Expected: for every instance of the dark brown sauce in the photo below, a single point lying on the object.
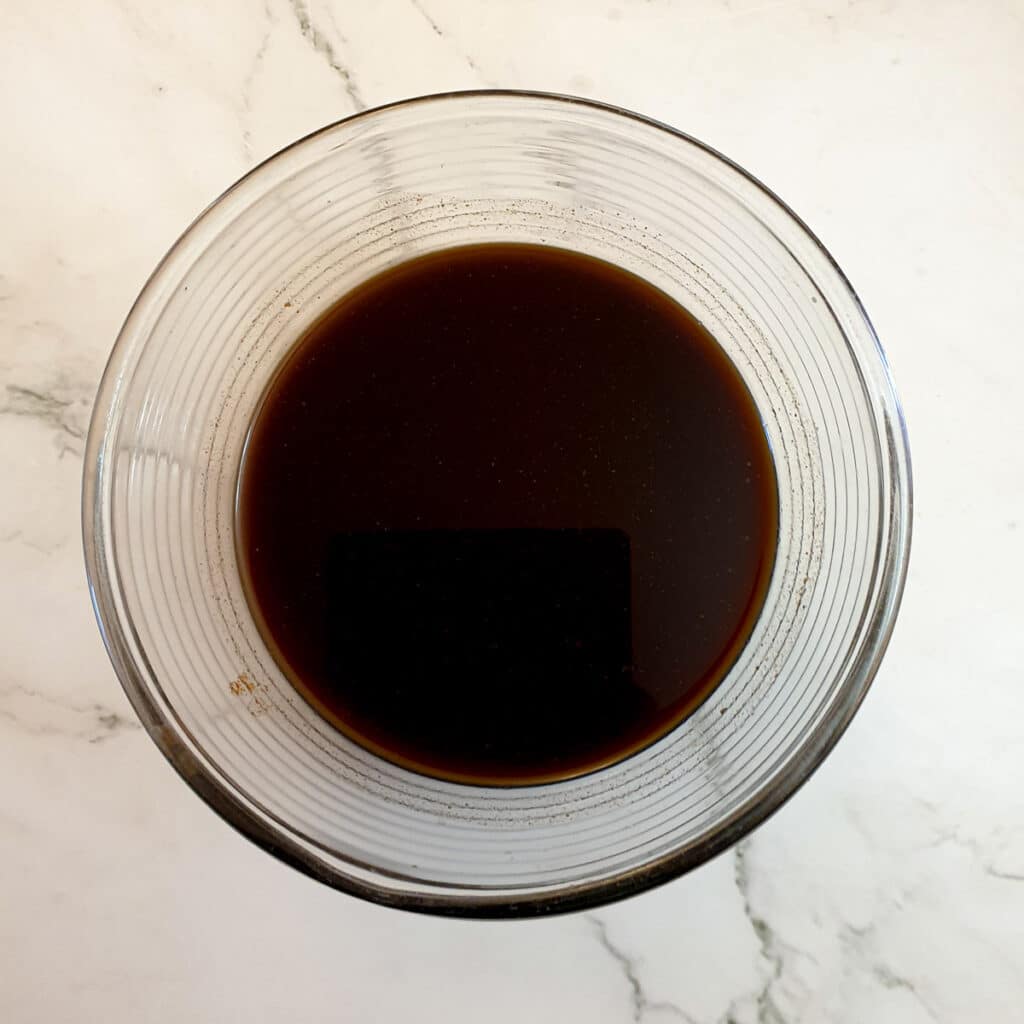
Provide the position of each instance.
(507, 514)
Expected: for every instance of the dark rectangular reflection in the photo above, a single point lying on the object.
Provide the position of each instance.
(504, 648)
(494, 603)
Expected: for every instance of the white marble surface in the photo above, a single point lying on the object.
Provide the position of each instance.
(891, 889)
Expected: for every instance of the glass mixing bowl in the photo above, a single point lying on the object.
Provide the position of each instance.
(219, 315)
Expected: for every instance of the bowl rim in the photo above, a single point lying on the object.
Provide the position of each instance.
(892, 575)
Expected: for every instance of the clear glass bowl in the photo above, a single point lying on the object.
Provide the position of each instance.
(219, 315)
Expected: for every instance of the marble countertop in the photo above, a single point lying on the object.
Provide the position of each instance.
(891, 888)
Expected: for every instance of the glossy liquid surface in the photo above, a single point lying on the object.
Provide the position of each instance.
(507, 514)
